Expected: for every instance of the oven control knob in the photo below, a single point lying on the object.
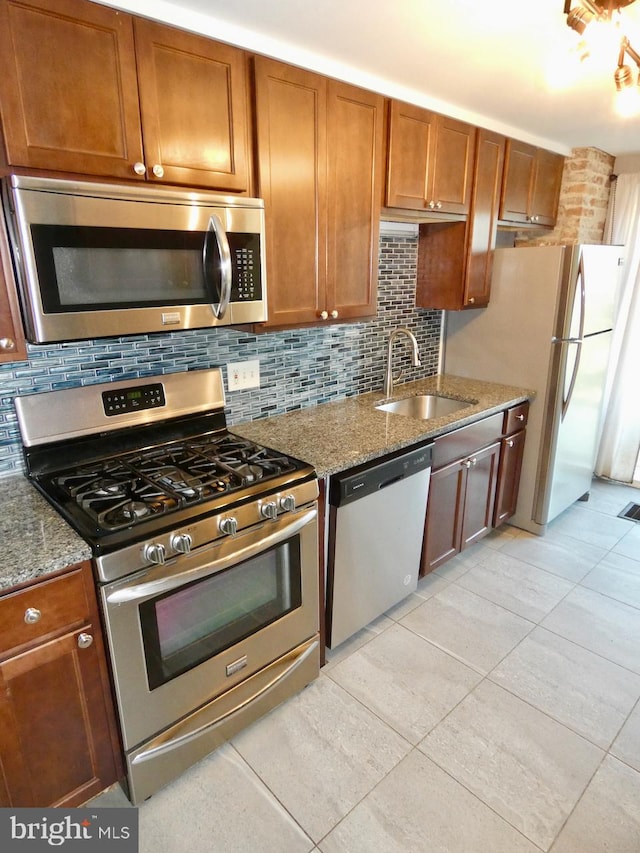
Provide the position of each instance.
(181, 543)
(228, 525)
(268, 509)
(288, 503)
(154, 553)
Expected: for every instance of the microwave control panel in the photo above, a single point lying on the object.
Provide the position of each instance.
(245, 262)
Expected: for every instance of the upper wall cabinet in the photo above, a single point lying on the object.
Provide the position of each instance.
(91, 90)
(320, 167)
(12, 345)
(531, 185)
(430, 164)
(455, 258)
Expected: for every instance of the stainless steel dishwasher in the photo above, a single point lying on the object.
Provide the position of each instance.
(376, 525)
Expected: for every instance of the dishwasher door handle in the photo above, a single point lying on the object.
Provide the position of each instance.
(390, 482)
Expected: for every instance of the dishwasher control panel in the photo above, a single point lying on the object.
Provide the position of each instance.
(376, 475)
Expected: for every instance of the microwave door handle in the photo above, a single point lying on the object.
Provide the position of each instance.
(215, 229)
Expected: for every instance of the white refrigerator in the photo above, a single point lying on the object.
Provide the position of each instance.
(548, 328)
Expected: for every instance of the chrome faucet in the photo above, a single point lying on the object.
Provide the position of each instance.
(389, 378)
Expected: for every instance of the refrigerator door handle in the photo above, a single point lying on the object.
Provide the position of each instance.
(581, 284)
(566, 401)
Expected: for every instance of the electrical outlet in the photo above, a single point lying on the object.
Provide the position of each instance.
(243, 374)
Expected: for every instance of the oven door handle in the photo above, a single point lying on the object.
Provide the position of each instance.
(165, 578)
(191, 728)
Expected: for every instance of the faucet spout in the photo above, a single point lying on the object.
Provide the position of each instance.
(389, 378)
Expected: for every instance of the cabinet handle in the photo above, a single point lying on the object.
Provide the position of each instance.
(84, 641)
(7, 344)
(510, 442)
(158, 171)
(324, 315)
(139, 168)
(32, 615)
(334, 314)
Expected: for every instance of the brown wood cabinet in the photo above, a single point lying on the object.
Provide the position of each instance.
(463, 489)
(455, 258)
(12, 345)
(58, 742)
(91, 90)
(511, 452)
(531, 184)
(319, 172)
(430, 160)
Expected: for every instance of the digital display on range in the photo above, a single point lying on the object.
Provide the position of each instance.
(133, 399)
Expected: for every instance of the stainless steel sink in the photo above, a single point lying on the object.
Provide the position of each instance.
(424, 406)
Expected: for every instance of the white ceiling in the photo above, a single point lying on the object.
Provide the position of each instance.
(490, 62)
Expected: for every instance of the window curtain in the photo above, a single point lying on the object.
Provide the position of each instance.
(620, 440)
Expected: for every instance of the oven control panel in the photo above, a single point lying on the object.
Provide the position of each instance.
(133, 399)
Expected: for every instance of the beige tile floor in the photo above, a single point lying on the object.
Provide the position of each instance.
(495, 711)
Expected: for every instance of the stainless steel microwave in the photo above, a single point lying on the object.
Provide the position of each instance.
(101, 260)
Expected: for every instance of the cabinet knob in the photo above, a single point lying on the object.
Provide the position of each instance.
(519, 417)
(324, 315)
(438, 205)
(334, 314)
(158, 171)
(432, 204)
(509, 442)
(474, 461)
(7, 344)
(32, 615)
(471, 300)
(84, 641)
(467, 463)
(139, 168)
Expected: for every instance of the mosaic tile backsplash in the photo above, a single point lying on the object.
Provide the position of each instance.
(298, 368)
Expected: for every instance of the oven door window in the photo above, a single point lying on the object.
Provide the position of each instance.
(196, 622)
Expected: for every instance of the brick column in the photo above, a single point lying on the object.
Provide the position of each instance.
(584, 197)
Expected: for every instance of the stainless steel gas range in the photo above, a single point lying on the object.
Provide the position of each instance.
(205, 551)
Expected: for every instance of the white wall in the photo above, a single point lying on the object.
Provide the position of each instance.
(627, 163)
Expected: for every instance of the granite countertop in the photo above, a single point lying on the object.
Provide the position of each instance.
(338, 435)
(331, 437)
(35, 539)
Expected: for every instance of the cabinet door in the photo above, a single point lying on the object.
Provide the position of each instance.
(55, 748)
(479, 500)
(452, 169)
(291, 133)
(69, 96)
(355, 157)
(519, 170)
(444, 516)
(194, 107)
(12, 345)
(546, 187)
(483, 218)
(511, 453)
(411, 145)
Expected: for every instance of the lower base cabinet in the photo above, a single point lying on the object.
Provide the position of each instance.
(58, 738)
(474, 484)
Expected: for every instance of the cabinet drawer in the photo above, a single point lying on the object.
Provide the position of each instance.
(61, 603)
(515, 418)
(468, 439)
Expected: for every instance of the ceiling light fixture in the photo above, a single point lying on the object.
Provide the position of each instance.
(605, 15)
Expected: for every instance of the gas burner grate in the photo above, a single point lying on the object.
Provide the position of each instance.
(631, 512)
